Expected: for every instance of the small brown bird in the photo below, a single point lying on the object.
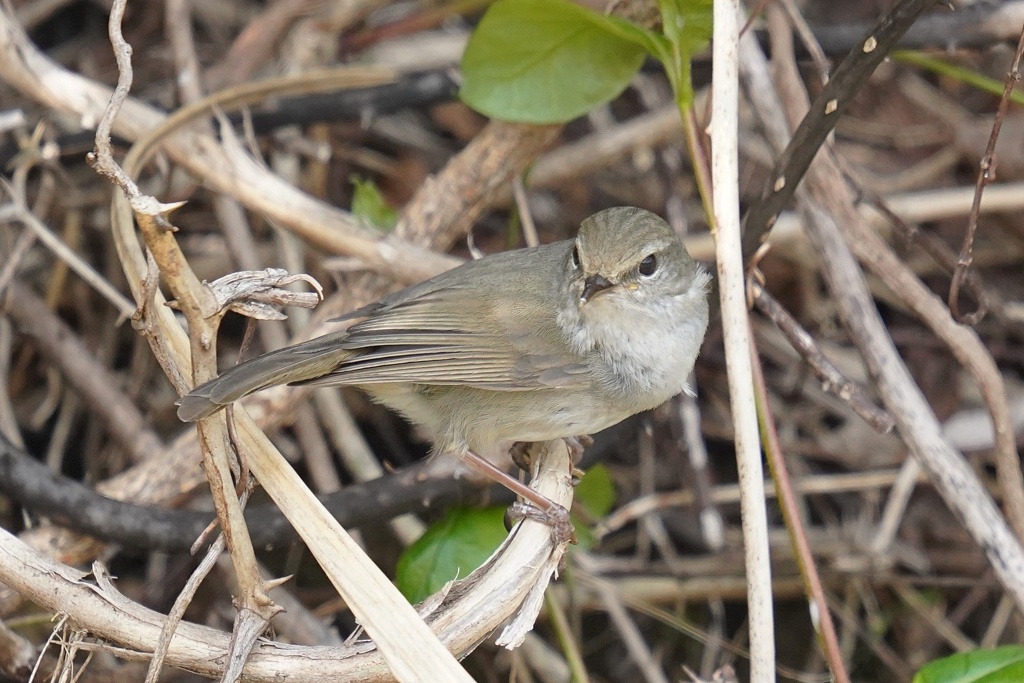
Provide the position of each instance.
(528, 345)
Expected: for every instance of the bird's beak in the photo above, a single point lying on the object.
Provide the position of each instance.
(592, 286)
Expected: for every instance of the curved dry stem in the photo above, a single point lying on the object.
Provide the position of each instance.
(255, 609)
(470, 610)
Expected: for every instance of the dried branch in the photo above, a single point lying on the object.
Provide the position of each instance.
(832, 379)
(255, 608)
(986, 174)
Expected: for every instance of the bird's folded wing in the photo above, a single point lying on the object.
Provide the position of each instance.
(426, 340)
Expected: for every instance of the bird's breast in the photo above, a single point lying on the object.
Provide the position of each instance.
(645, 363)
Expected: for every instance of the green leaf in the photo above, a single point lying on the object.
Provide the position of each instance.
(595, 492)
(368, 203)
(548, 61)
(687, 26)
(653, 42)
(1001, 665)
(451, 548)
(687, 23)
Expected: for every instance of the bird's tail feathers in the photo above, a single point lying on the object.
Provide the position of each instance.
(292, 364)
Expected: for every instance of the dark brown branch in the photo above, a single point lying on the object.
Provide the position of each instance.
(832, 380)
(822, 117)
(75, 506)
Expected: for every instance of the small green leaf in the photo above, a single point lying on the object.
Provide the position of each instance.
(451, 548)
(595, 492)
(368, 203)
(548, 61)
(687, 26)
(653, 42)
(1001, 665)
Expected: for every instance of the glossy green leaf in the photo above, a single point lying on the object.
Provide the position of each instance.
(687, 26)
(450, 549)
(548, 61)
(1001, 665)
(368, 203)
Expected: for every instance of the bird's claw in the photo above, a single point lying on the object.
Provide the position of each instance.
(556, 517)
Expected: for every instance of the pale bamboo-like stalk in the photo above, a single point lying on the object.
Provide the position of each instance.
(736, 328)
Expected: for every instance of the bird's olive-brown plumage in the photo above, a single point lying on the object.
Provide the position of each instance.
(527, 345)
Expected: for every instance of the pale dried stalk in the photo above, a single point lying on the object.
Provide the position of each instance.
(736, 326)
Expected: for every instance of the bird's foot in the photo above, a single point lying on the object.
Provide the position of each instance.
(556, 517)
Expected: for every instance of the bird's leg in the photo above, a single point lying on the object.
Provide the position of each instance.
(544, 509)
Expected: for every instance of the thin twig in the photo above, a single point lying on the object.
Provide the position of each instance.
(181, 603)
(986, 174)
(794, 525)
(525, 215)
(19, 212)
(832, 379)
(102, 159)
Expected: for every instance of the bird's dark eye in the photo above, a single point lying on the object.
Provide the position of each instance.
(575, 257)
(649, 265)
